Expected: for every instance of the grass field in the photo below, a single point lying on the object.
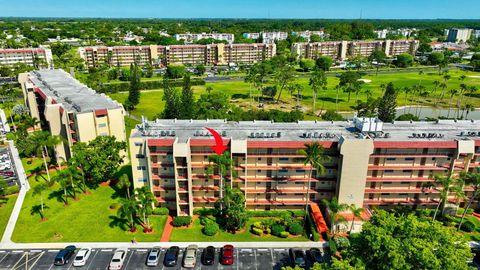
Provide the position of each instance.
(84, 220)
(6, 207)
(151, 102)
(194, 233)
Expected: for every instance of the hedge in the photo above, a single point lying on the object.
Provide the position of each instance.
(257, 231)
(12, 190)
(468, 226)
(295, 229)
(283, 234)
(205, 219)
(180, 221)
(161, 211)
(460, 211)
(210, 229)
(145, 85)
(276, 213)
(203, 211)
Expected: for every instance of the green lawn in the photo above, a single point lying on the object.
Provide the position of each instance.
(475, 235)
(85, 220)
(6, 207)
(194, 233)
(151, 102)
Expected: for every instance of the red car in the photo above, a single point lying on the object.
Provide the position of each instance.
(227, 255)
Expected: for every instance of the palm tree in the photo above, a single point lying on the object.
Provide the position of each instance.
(443, 184)
(222, 164)
(38, 190)
(356, 213)
(146, 200)
(314, 156)
(124, 183)
(334, 208)
(318, 80)
(473, 179)
(452, 93)
(129, 210)
(337, 88)
(436, 84)
(406, 90)
(64, 184)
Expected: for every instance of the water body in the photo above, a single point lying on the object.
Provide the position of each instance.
(429, 112)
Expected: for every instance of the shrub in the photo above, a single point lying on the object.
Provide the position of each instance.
(277, 229)
(12, 190)
(258, 225)
(210, 229)
(283, 234)
(341, 242)
(268, 231)
(205, 220)
(461, 210)
(114, 206)
(295, 229)
(333, 246)
(468, 226)
(204, 211)
(180, 221)
(257, 231)
(276, 213)
(161, 211)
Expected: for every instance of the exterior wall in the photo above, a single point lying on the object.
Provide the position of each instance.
(353, 172)
(41, 57)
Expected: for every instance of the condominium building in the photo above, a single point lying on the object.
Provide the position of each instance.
(211, 54)
(341, 50)
(67, 108)
(370, 163)
(307, 34)
(267, 37)
(459, 35)
(191, 38)
(37, 57)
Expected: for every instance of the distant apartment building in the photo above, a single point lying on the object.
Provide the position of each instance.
(457, 35)
(371, 164)
(191, 38)
(341, 50)
(406, 32)
(212, 54)
(307, 34)
(37, 57)
(67, 108)
(267, 37)
(476, 34)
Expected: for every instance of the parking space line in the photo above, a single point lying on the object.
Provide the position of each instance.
(106, 250)
(129, 257)
(246, 250)
(19, 260)
(91, 259)
(273, 257)
(255, 256)
(142, 250)
(3, 258)
(17, 251)
(53, 250)
(279, 249)
(35, 251)
(38, 258)
(237, 259)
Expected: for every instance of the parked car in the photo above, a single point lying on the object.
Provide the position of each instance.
(64, 255)
(118, 259)
(227, 255)
(315, 255)
(298, 257)
(153, 256)
(171, 256)
(190, 256)
(82, 257)
(208, 255)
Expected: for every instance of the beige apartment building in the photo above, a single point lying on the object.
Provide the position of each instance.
(371, 164)
(341, 50)
(213, 54)
(36, 57)
(67, 108)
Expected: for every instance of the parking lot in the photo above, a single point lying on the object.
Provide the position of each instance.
(245, 258)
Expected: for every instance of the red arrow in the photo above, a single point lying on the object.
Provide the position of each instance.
(219, 148)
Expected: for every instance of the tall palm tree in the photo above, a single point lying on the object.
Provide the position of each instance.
(318, 80)
(124, 183)
(146, 200)
(436, 84)
(128, 210)
(452, 93)
(472, 179)
(64, 183)
(314, 155)
(407, 90)
(223, 165)
(443, 184)
(334, 208)
(38, 190)
(356, 213)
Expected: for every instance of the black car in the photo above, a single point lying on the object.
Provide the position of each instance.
(64, 255)
(208, 255)
(171, 256)
(298, 257)
(315, 255)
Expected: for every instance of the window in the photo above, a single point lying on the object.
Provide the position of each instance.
(259, 158)
(283, 171)
(140, 156)
(387, 183)
(403, 194)
(283, 159)
(259, 170)
(407, 170)
(138, 144)
(389, 171)
(391, 158)
(300, 170)
(404, 183)
(385, 194)
(141, 168)
(433, 158)
(102, 125)
(409, 158)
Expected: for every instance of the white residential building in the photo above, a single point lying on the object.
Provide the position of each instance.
(191, 38)
(459, 35)
(307, 34)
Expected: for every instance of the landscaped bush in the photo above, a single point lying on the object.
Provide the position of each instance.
(12, 190)
(276, 213)
(283, 234)
(203, 211)
(295, 229)
(115, 206)
(333, 246)
(210, 229)
(277, 229)
(341, 242)
(258, 225)
(206, 219)
(257, 231)
(461, 210)
(180, 221)
(468, 226)
(161, 211)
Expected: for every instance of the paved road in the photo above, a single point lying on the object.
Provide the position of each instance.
(245, 259)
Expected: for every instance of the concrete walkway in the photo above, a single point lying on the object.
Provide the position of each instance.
(17, 246)
(167, 231)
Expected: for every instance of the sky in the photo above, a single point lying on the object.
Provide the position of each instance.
(344, 9)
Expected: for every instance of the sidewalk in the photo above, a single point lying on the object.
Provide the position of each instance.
(167, 230)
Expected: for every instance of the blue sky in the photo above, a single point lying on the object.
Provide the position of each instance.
(381, 9)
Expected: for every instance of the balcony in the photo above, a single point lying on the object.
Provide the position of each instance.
(286, 154)
(408, 167)
(401, 190)
(164, 176)
(394, 201)
(282, 191)
(278, 202)
(385, 155)
(204, 199)
(399, 179)
(205, 188)
(283, 179)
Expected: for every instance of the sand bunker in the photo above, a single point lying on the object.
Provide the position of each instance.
(365, 80)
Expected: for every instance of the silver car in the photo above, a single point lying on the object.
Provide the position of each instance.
(153, 256)
(190, 256)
